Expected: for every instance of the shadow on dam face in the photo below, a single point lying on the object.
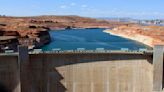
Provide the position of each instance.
(58, 60)
(3, 88)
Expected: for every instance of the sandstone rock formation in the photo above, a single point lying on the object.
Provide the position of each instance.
(27, 35)
(149, 35)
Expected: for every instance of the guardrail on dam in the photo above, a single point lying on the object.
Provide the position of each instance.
(89, 71)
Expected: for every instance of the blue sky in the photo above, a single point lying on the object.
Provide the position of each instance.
(142, 9)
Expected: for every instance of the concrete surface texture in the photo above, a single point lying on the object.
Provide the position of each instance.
(9, 73)
(103, 72)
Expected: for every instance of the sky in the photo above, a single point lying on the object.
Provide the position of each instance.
(137, 9)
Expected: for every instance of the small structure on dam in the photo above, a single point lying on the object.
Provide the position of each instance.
(8, 42)
(83, 71)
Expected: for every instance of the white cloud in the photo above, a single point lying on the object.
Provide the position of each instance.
(73, 4)
(67, 6)
(84, 6)
(63, 6)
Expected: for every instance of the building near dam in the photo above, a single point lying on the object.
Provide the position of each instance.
(83, 71)
(8, 42)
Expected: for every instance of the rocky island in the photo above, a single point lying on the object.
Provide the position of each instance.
(33, 31)
(148, 35)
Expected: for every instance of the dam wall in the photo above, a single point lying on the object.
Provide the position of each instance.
(9, 72)
(78, 72)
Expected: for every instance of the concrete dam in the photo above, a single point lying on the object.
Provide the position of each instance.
(107, 71)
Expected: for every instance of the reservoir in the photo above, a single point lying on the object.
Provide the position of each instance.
(90, 39)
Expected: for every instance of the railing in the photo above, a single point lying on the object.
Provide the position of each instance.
(91, 51)
(82, 50)
(97, 50)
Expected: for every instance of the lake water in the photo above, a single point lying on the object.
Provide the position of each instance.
(90, 39)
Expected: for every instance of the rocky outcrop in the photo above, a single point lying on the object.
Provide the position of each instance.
(149, 35)
(32, 35)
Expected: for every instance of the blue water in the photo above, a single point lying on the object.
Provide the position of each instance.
(90, 39)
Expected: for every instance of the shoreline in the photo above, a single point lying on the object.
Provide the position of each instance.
(59, 29)
(137, 37)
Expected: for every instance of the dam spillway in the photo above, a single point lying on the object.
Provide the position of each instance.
(115, 71)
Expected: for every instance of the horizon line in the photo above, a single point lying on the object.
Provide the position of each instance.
(3, 15)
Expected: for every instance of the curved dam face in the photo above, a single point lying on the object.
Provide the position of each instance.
(78, 72)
